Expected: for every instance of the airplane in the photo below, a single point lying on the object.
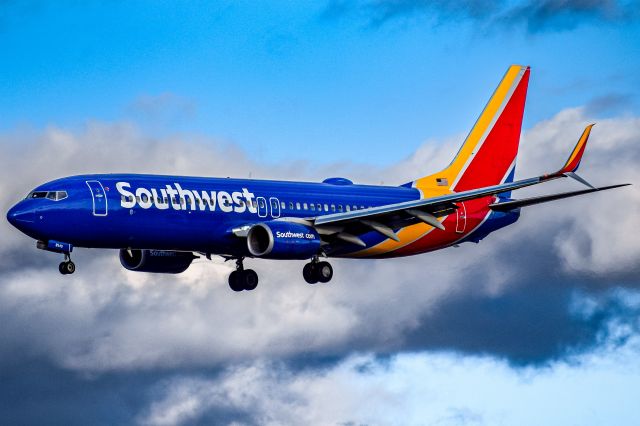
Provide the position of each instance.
(160, 224)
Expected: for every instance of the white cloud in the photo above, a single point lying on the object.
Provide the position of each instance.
(413, 389)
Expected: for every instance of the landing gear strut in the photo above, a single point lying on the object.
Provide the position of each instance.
(316, 271)
(67, 267)
(243, 279)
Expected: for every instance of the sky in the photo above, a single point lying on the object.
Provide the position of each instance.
(537, 324)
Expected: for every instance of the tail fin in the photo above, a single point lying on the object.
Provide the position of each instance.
(488, 154)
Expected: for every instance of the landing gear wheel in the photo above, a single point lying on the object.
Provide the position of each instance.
(235, 281)
(324, 272)
(249, 279)
(309, 273)
(243, 279)
(67, 267)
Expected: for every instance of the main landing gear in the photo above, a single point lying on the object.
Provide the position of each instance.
(67, 267)
(243, 279)
(316, 271)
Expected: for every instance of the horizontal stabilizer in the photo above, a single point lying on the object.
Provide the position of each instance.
(510, 205)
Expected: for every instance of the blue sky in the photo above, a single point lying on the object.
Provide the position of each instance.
(286, 80)
(538, 324)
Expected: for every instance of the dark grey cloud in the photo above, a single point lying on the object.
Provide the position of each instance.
(533, 16)
(534, 320)
(34, 391)
(609, 104)
(558, 15)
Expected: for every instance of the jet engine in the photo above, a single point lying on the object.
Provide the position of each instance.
(161, 261)
(283, 240)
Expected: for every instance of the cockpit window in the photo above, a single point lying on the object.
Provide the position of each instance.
(51, 195)
(38, 194)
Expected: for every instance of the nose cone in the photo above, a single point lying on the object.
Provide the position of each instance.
(18, 216)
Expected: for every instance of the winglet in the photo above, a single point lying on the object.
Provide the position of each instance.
(573, 162)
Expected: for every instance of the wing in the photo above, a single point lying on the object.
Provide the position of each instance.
(384, 219)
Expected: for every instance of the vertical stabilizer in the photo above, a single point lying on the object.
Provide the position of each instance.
(488, 154)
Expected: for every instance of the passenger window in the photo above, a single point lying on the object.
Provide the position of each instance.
(333, 207)
(283, 205)
(340, 208)
(144, 198)
(297, 206)
(348, 208)
(355, 207)
(313, 207)
(319, 207)
(304, 206)
(326, 207)
(290, 205)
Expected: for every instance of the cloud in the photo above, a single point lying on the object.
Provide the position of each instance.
(609, 103)
(408, 389)
(93, 322)
(167, 107)
(532, 16)
(557, 15)
(543, 291)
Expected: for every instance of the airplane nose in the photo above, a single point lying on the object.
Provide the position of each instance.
(17, 216)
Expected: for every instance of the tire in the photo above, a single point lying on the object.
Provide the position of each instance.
(68, 267)
(309, 273)
(62, 268)
(324, 272)
(250, 279)
(235, 281)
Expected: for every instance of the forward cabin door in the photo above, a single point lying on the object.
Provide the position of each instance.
(461, 218)
(99, 198)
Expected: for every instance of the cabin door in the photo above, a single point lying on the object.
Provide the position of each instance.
(461, 218)
(99, 198)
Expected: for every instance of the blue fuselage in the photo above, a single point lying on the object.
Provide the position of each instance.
(183, 213)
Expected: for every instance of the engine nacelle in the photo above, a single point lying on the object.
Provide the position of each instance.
(283, 240)
(161, 261)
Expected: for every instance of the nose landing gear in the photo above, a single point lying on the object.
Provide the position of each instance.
(243, 279)
(67, 267)
(316, 271)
